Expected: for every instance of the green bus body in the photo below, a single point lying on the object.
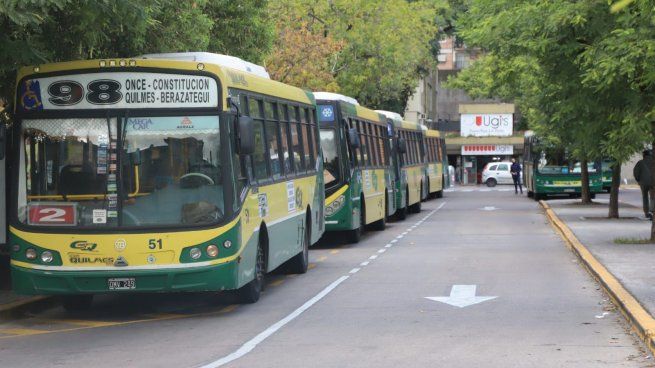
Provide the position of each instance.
(555, 180)
(359, 181)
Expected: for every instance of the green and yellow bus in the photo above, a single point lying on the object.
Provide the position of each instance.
(409, 161)
(170, 172)
(551, 171)
(357, 165)
(434, 148)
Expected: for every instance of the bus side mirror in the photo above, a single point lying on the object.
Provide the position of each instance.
(353, 138)
(246, 135)
(3, 140)
(402, 145)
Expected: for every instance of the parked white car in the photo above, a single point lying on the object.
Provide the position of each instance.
(497, 173)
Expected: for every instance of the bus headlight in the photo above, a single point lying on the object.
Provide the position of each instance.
(46, 256)
(335, 206)
(30, 254)
(212, 251)
(195, 253)
(227, 244)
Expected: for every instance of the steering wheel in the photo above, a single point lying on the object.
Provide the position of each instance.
(194, 180)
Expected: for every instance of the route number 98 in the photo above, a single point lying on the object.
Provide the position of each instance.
(99, 92)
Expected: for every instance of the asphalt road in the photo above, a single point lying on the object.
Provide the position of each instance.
(365, 305)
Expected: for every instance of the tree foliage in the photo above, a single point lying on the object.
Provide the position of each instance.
(39, 31)
(384, 45)
(570, 67)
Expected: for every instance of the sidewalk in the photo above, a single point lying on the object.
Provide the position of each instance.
(630, 264)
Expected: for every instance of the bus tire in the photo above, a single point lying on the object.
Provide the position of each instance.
(491, 182)
(416, 207)
(401, 213)
(381, 224)
(538, 196)
(250, 292)
(530, 194)
(592, 195)
(76, 303)
(299, 263)
(355, 235)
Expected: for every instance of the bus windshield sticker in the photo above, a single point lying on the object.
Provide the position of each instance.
(100, 216)
(291, 196)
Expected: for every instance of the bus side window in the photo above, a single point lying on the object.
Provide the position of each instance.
(259, 156)
(273, 139)
(309, 143)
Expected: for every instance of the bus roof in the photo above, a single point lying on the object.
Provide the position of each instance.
(390, 114)
(335, 97)
(229, 76)
(211, 58)
(351, 106)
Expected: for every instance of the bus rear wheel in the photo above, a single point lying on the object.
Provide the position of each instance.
(381, 224)
(76, 303)
(300, 262)
(250, 292)
(355, 235)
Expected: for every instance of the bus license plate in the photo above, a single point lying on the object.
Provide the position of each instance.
(125, 283)
(569, 190)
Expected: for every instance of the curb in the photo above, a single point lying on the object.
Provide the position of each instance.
(30, 303)
(642, 322)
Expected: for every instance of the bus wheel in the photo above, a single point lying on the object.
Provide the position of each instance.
(439, 194)
(381, 224)
(491, 182)
(300, 262)
(416, 207)
(538, 196)
(592, 196)
(250, 292)
(76, 303)
(530, 194)
(355, 235)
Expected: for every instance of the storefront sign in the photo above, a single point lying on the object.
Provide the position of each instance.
(118, 90)
(487, 149)
(486, 125)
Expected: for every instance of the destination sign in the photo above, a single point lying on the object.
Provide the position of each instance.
(120, 90)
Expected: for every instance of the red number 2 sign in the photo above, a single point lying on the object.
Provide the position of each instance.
(52, 214)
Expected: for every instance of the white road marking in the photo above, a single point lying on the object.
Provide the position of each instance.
(388, 246)
(399, 237)
(251, 344)
(355, 270)
(373, 257)
(364, 264)
(461, 296)
(393, 241)
(382, 250)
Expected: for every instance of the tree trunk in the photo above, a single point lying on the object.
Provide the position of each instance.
(652, 170)
(614, 192)
(584, 178)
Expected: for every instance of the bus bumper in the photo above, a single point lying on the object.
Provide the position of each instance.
(207, 278)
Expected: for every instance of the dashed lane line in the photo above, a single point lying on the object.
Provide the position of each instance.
(252, 343)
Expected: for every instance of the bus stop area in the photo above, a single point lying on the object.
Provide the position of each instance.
(612, 252)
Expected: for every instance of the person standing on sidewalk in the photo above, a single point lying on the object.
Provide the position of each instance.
(515, 170)
(644, 176)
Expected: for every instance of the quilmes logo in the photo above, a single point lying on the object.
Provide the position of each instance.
(491, 121)
(84, 245)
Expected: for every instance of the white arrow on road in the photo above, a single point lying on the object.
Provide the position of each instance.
(488, 208)
(461, 296)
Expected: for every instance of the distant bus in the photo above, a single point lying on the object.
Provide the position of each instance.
(550, 171)
(434, 150)
(176, 172)
(410, 163)
(358, 171)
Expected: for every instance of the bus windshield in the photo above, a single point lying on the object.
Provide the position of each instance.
(71, 173)
(558, 162)
(330, 157)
